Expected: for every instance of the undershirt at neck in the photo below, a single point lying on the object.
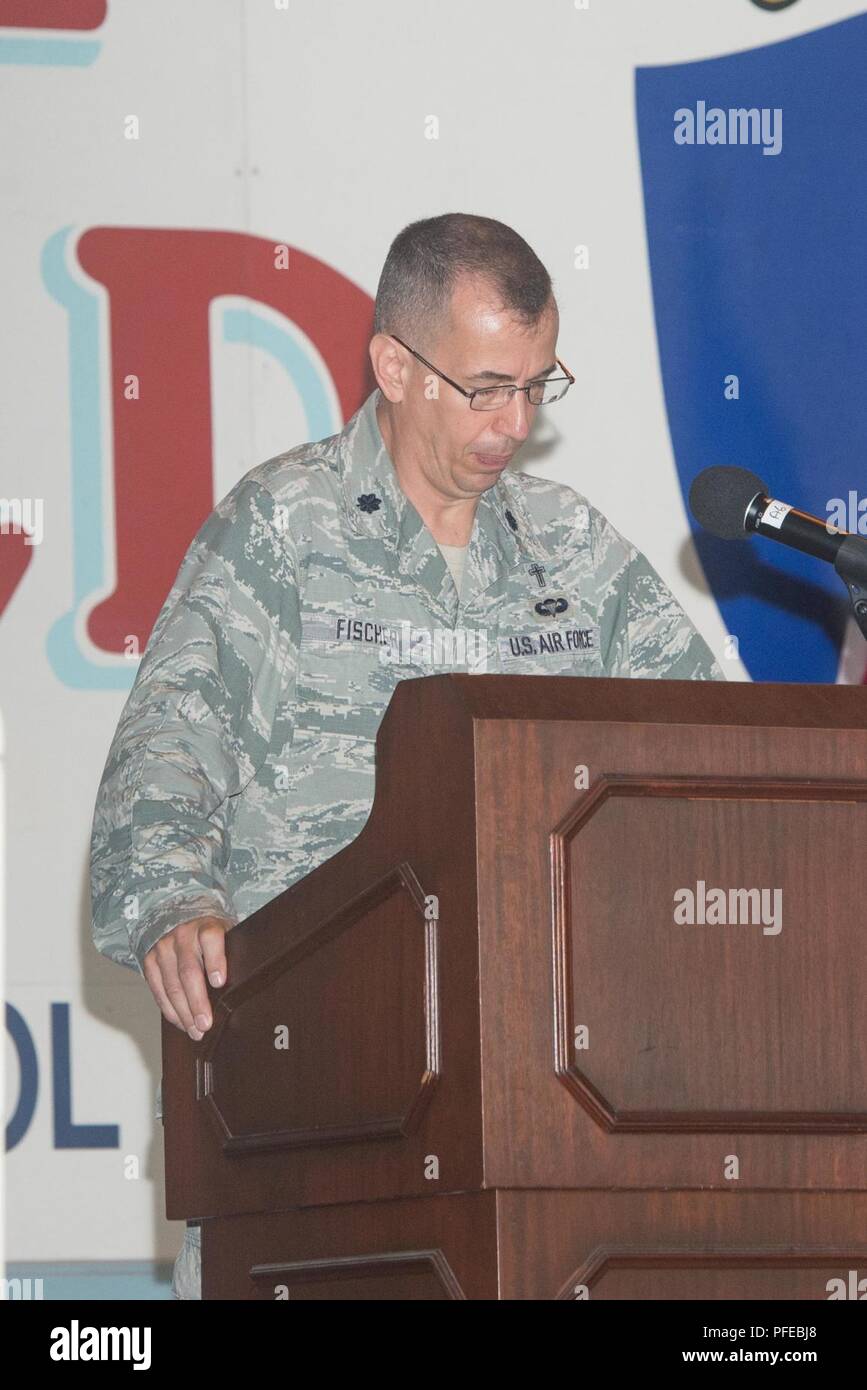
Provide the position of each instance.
(455, 556)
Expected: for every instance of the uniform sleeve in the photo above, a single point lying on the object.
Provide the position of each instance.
(195, 728)
(645, 631)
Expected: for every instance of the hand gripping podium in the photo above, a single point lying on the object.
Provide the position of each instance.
(580, 1013)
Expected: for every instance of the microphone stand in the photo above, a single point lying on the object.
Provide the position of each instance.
(851, 565)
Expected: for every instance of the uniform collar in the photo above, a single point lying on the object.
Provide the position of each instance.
(376, 506)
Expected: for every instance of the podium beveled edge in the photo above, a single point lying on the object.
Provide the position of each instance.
(602, 699)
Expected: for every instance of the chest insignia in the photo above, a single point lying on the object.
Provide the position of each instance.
(550, 607)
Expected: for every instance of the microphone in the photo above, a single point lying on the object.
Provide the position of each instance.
(733, 502)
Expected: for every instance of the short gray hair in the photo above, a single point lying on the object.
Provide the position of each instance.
(427, 257)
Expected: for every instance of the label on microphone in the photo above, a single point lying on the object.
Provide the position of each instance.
(774, 514)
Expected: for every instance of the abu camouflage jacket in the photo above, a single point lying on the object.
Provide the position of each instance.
(244, 755)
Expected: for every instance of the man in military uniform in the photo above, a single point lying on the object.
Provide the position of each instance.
(402, 546)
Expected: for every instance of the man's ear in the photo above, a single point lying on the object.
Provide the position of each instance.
(390, 367)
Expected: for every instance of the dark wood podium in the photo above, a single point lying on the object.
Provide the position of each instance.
(484, 1053)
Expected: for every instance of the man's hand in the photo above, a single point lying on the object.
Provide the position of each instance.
(175, 970)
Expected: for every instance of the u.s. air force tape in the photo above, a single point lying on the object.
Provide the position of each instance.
(563, 641)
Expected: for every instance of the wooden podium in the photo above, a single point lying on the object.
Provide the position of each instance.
(484, 1053)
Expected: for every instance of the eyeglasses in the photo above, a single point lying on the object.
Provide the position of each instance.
(497, 397)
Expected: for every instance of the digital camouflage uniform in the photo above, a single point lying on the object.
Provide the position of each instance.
(244, 755)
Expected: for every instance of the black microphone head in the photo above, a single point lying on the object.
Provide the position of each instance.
(719, 499)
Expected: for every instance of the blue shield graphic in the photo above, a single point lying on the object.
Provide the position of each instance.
(759, 270)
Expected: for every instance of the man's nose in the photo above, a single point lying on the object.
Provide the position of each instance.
(517, 416)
